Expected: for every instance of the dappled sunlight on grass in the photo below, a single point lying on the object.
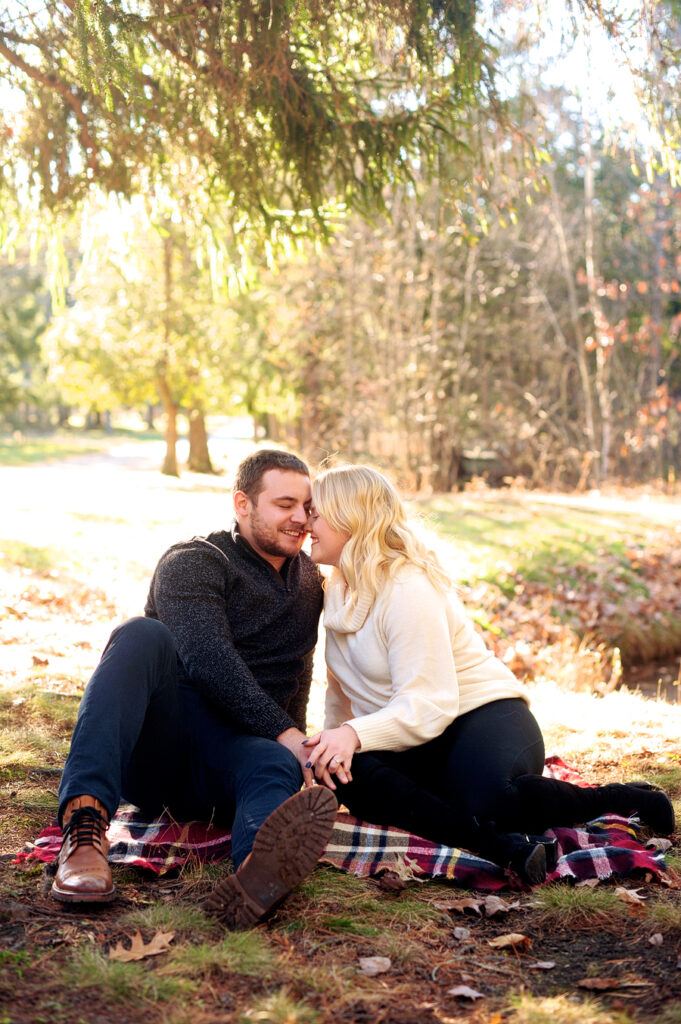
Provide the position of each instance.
(618, 728)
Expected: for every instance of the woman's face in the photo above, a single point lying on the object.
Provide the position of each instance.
(327, 543)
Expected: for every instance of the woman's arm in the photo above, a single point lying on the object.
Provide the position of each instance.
(415, 624)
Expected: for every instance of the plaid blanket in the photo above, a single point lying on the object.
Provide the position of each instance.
(607, 846)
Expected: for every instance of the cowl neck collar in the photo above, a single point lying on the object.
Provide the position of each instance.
(340, 614)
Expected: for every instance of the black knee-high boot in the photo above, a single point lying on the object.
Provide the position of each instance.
(545, 803)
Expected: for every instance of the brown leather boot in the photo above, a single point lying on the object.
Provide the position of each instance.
(287, 846)
(83, 872)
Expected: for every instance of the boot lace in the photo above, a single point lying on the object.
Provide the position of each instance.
(86, 827)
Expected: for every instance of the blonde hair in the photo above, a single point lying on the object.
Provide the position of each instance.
(361, 502)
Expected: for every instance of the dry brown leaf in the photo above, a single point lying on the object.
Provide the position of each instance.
(460, 905)
(513, 939)
(630, 895)
(658, 843)
(602, 984)
(462, 933)
(390, 881)
(495, 905)
(373, 965)
(40, 661)
(587, 883)
(599, 984)
(139, 950)
(464, 992)
(657, 939)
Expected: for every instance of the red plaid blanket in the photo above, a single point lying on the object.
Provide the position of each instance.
(608, 846)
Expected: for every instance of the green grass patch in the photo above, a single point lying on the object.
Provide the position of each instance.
(280, 1008)
(665, 915)
(27, 450)
(562, 1009)
(561, 907)
(28, 556)
(177, 917)
(245, 953)
(122, 982)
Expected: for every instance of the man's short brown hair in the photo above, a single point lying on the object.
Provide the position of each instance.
(251, 471)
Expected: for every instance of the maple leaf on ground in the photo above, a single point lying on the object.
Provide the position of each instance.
(139, 950)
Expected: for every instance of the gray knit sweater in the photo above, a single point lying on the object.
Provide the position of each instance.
(245, 634)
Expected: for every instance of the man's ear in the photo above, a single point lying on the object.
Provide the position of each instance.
(242, 503)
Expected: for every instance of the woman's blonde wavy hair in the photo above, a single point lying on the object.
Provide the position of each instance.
(361, 502)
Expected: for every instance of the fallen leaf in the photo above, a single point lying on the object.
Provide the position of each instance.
(461, 905)
(513, 939)
(139, 950)
(656, 939)
(543, 965)
(390, 881)
(462, 933)
(495, 905)
(407, 869)
(657, 843)
(630, 895)
(602, 984)
(464, 992)
(588, 883)
(40, 661)
(373, 965)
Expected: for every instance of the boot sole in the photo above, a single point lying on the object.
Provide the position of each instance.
(64, 896)
(287, 846)
(534, 868)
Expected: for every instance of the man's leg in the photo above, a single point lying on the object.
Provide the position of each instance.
(278, 831)
(127, 736)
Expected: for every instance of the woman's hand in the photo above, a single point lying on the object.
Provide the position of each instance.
(332, 754)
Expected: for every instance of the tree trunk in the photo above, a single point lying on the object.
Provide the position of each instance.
(169, 467)
(170, 407)
(199, 456)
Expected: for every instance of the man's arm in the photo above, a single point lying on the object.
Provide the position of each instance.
(188, 595)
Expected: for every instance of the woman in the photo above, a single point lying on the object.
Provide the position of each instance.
(425, 729)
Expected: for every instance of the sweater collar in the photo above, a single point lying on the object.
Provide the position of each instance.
(340, 614)
(279, 574)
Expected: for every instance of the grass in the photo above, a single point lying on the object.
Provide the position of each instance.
(27, 449)
(566, 907)
(122, 982)
(562, 1009)
(246, 953)
(29, 557)
(280, 1008)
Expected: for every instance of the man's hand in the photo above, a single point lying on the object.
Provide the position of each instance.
(332, 754)
(293, 740)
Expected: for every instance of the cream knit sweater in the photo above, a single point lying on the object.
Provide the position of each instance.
(402, 669)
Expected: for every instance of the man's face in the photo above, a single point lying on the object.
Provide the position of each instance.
(275, 524)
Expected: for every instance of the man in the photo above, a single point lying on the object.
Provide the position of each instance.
(200, 705)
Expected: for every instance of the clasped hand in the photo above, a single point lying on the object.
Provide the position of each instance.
(331, 752)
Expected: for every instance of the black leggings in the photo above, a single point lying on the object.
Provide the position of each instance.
(443, 789)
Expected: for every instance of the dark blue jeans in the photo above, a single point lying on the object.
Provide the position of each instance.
(467, 776)
(143, 736)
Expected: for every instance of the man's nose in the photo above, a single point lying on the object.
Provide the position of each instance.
(300, 515)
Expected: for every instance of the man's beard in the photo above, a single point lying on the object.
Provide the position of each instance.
(269, 539)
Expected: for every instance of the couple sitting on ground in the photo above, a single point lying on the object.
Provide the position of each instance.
(200, 706)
